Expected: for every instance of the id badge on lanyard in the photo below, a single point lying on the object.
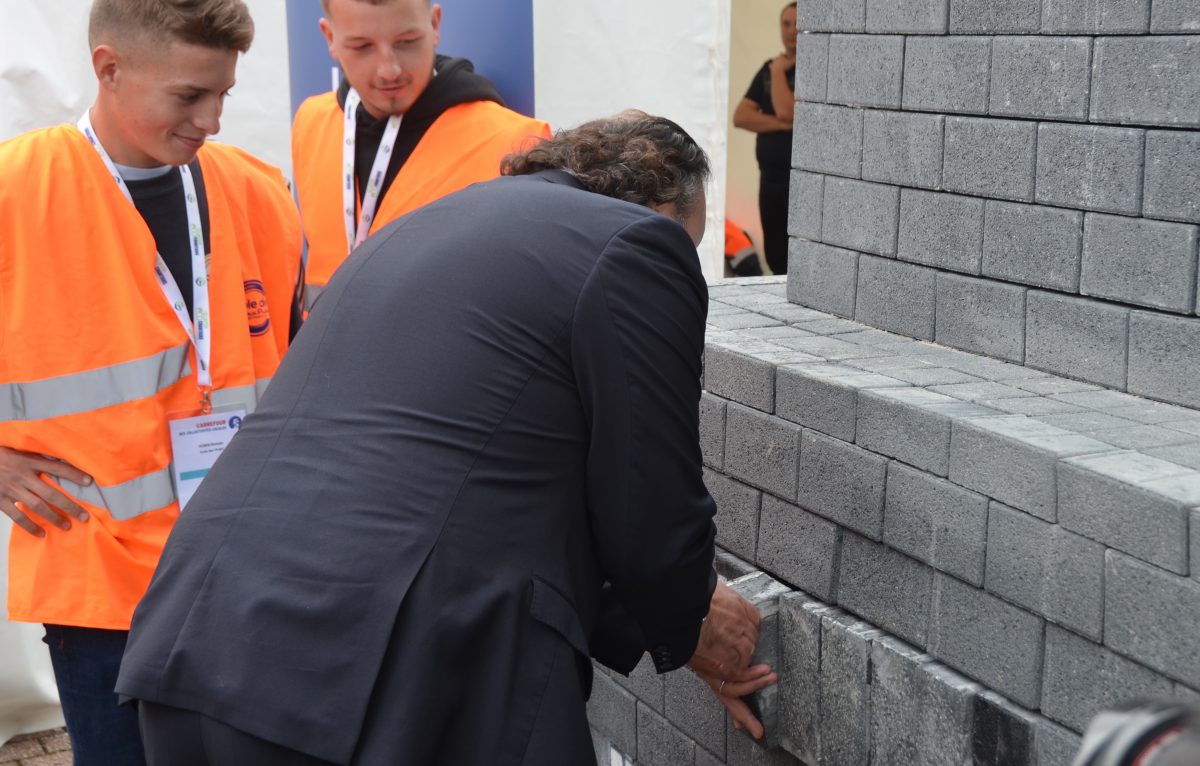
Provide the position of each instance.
(358, 228)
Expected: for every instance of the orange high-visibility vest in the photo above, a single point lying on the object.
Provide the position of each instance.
(465, 144)
(93, 360)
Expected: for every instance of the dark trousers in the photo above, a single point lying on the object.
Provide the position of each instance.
(86, 660)
(177, 737)
(773, 210)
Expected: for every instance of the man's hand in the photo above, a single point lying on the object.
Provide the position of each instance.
(21, 482)
(729, 693)
(728, 635)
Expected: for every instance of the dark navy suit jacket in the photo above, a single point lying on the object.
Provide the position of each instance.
(403, 556)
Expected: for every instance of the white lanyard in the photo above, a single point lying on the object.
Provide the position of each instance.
(356, 231)
(198, 331)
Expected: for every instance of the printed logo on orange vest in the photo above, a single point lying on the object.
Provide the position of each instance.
(257, 313)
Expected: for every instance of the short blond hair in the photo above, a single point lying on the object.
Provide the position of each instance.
(221, 24)
(325, 3)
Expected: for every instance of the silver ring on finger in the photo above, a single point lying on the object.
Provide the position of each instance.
(721, 688)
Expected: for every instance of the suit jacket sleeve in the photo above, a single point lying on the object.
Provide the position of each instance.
(637, 342)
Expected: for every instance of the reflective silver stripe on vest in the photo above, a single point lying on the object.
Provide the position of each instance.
(311, 293)
(132, 498)
(94, 389)
(240, 396)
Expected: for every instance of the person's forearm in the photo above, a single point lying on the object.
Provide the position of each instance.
(782, 98)
(761, 122)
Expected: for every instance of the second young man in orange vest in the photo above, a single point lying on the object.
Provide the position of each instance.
(406, 127)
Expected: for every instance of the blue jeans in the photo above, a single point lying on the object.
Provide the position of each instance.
(86, 661)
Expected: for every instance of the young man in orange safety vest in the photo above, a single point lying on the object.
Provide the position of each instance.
(406, 127)
(144, 305)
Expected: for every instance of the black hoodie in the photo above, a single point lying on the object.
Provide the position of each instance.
(456, 83)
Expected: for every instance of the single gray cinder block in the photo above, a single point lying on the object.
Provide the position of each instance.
(1147, 80)
(988, 639)
(1089, 167)
(947, 74)
(1077, 337)
(991, 158)
(763, 593)
(1151, 616)
(860, 215)
(806, 196)
(1173, 174)
(822, 277)
(800, 547)
(936, 522)
(843, 483)
(886, 588)
(895, 296)
(981, 315)
(1150, 263)
(912, 17)
(812, 66)
(942, 230)
(845, 691)
(866, 70)
(692, 708)
(1083, 679)
(828, 139)
(1134, 503)
(762, 450)
(1164, 352)
(1012, 459)
(1095, 17)
(660, 743)
(831, 15)
(1033, 245)
(825, 397)
(613, 711)
(1041, 77)
(1172, 16)
(995, 16)
(712, 430)
(1046, 569)
(740, 378)
(898, 423)
(1004, 733)
(903, 148)
(1055, 746)
(895, 702)
(800, 677)
(737, 517)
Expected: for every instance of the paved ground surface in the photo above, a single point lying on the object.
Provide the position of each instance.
(47, 748)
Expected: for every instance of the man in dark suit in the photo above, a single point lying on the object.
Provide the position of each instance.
(477, 466)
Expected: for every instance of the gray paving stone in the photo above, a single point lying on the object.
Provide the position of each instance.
(1077, 337)
(804, 205)
(902, 147)
(1041, 77)
(907, 16)
(1083, 679)
(933, 376)
(1012, 459)
(1172, 174)
(995, 16)
(644, 683)
(990, 158)
(712, 430)
(1143, 437)
(981, 391)
(843, 483)
(827, 402)
(896, 736)
(829, 326)
(1164, 355)
(799, 547)
(988, 639)
(660, 743)
(1004, 733)
(1187, 455)
(822, 277)
(886, 588)
(942, 230)
(1090, 167)
(763, 593)
(981, 315)
(844, 729)
(832, 349)
(898, 423)
(613, 711)
(1151, 616)
(1132, 502)
(947, 74)
(1095, 17)
(1149, 263)
(738, 508)
(1033, 406)
(860, 215)
(730, 567)
(812, 66)
(1147, 80)
(761, 450)
(1034, 245)
(1056, 746)
(1051, 386)
(936, 522)
(1095, 399)
(1046, 569)
(828, 139)
(866, 70)
(742, 320)
(740, 378)
(800, 680)
(899, 297)
(1171, 16)
(1086, 422)
(831, 15)
(693, 710)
